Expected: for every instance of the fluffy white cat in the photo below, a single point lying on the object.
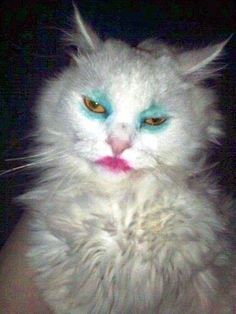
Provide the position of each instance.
(124, 215)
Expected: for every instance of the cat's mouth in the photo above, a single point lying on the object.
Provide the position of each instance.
(114, 164)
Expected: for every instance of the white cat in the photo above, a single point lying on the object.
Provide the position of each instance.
(124, 216)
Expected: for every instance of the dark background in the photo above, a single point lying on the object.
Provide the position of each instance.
(31, 50)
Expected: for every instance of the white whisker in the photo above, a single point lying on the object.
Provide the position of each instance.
(33, 156)
(17, 168)
(54, 132)
(32, 164)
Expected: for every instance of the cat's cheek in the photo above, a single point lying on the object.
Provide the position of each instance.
(138, 158)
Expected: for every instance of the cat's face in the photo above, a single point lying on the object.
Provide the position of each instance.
(121, 110)
(129, 111)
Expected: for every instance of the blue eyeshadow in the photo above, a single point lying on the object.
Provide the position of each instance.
(101, 99)
(154, 111)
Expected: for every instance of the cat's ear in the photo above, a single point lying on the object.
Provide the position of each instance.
(199, 64)
(83, 38)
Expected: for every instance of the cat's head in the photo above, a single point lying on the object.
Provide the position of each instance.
(119, 110)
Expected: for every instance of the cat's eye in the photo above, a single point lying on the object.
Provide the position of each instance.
(154, 121)
(93, 105)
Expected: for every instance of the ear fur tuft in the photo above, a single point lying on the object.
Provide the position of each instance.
(198, 63)
(82, 37)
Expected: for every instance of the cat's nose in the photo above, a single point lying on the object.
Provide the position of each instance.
(118, 145)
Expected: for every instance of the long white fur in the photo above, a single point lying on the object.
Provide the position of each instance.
(82, 28)
(149, 241)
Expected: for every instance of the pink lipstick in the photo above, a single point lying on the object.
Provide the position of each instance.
(114, 164)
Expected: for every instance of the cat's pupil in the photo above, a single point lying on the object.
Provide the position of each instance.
(94, 104)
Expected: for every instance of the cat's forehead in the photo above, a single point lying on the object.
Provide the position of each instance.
(130, 74)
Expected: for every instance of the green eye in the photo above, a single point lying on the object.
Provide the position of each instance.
(93, 106)
(154, 121)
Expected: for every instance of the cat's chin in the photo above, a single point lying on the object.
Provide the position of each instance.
(106, 168)
(113, 170)
(111, 175)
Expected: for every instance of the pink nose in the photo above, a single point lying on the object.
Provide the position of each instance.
(118, 145)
